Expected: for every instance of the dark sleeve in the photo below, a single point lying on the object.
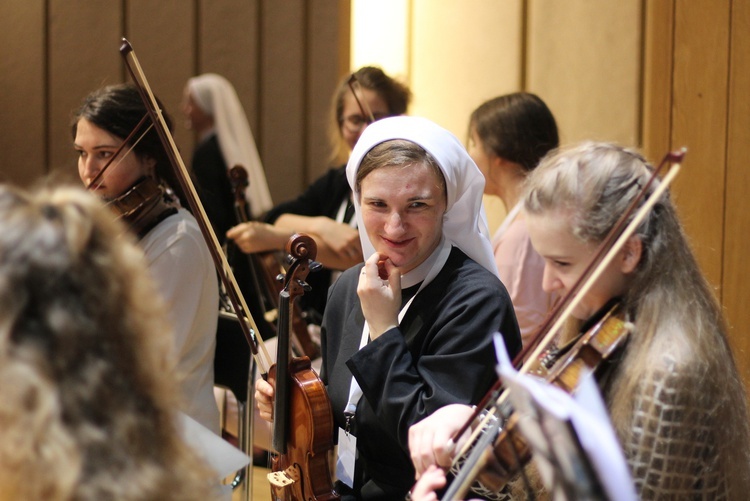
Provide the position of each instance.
(441, 353)
(214, 187)
(322, 198)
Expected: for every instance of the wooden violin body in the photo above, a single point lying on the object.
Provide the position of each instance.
(142, 206)
(303, 419)
(581, 359)
(303, 472)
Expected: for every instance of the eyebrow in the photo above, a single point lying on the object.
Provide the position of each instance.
(420, 197)
(97, 147)
(410, 199)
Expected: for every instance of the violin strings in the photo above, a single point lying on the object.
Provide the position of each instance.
(119, 150)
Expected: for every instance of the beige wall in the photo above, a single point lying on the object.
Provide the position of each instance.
(584, 59)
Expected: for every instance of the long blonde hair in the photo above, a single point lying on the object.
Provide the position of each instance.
(85, 375)
(669, 300)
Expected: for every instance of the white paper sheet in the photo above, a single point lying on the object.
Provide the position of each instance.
(220, 455)
(585, 411)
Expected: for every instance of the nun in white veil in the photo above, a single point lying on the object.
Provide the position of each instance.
(411, 329)
(218, 100)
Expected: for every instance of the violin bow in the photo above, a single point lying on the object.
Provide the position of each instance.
(354, 86)
(222, 266)
(606, 252)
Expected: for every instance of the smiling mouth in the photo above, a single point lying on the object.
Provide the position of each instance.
(397, 243)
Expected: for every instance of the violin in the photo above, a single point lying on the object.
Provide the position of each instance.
(567, 368)
(265, 281)
(303, 419)
(143, 206)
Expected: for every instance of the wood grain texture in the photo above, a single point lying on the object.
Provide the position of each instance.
(736, 269)
(699, 122)
(22, 85)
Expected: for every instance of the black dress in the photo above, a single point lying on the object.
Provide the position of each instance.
(216, 194)
(441, 353)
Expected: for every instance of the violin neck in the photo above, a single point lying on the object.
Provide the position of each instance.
(283, 380)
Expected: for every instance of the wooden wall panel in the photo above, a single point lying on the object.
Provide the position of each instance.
(282, 79)
(283, 56)
(228, 44)
(736, 270)
(22, 90)
(83, 41)
(163, 38)
(699, 122)
(324, 72)
(657, 79)
(584, 61)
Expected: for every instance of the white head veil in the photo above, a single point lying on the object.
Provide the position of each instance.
(217, 97)
(464, 222)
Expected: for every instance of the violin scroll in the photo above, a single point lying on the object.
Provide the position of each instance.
(301, 246)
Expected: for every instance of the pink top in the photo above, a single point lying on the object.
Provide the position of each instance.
(521, 270)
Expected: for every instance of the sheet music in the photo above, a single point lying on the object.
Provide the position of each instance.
(568, 434)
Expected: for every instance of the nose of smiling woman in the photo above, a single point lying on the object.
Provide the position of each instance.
(394, 224)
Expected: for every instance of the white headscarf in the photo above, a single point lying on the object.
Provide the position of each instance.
(217, 97)
(464, 222)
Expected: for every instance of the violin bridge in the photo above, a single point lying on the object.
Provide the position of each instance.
(282, 478)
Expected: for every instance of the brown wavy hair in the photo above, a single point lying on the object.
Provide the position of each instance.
(85, 376)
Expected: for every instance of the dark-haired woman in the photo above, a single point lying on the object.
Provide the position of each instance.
(176, 252)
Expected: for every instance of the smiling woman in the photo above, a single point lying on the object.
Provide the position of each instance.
(402, 196)
(411, 329)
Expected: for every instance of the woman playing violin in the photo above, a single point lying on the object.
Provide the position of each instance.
(410, 330)
(176, 252)
(674, 394)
